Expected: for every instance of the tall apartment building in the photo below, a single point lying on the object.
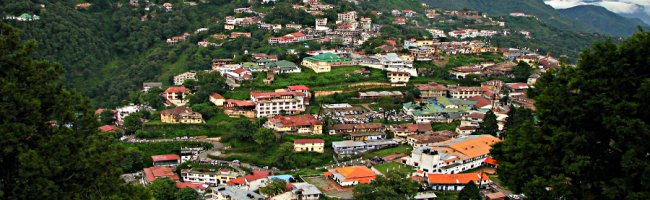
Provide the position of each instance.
(347, 17)
(268, 104)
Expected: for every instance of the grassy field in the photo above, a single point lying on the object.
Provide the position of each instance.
(216, 126)
(385, 168)
(405, 149)
(445, 126)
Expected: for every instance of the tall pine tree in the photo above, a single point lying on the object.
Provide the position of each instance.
(591, 141)
(49, 144)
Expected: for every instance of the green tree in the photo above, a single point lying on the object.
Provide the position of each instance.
(275, 187)
(244, 130)
(285, 157)
(522, 71)
(516, 116)
(207, 84)
(133, 122)
(264, 136)
(395, 185)
(163, 189)
(207, 110)
(153, 98)
(107, 117)
(470, 192)
(489, 125)
(187, 194)
(50, 146)
(592, 130)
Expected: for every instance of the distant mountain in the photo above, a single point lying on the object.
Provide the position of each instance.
(538, 8)
(604, 20)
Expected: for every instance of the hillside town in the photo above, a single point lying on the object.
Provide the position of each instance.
(362, 106)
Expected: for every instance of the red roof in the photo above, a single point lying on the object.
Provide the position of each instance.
(241, 103)
(456, 179)
(108, 128)
(391, 42)
(166, 157)
(480, 101)
(156, 172)
(239, 70)
(298, 34)
(257, 174)
(217, 96)
(518, 86)
(298, 87)
(99, 111)
(272, 94)
(181, 185)
(491, 161)
(291, 121)
(307, 141)
(177, 89)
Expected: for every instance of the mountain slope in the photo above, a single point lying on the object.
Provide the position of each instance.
(602, 19)
(538, 8)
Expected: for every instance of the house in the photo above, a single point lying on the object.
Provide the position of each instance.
(236, 108)
(283, 67)
(217, 99)
(517, 88)
(108, 128)
(380, 94)
(321, 24)
(270, 77)
(123, 112)
(156, 172)
(268, 104)
(426, 139)
(176, 95)
(232, 192)
(181, 115)
(309, 145)
(301, 124)
(146, 86)
(466, 130)
(399, 21)
(491, 162)
(255, 179)
(404, 130)
(305, 191)
(217, 62)
(361, 132)
(325, 61)
(168, 6)
(398, 77)
(82, 5)
(190, 153)
(181, 78)
(209, 176)
(302, 89)
(432, 90)
(350, 176)
(463, 71)
(199, 187)
(351, 147)
(452, 156)
(456, 182)
(166, 160)
(234, 35)
(239, 75)
(464, 92)
(346, 17)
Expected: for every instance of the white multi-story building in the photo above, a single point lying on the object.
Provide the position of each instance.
(181, 78)
(347, 17)
(210, 177)
(321, 24)
(124, 111)
(452, 156)
(268, 104)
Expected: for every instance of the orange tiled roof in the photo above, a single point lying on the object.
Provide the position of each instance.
(456, 179)
(353, 172)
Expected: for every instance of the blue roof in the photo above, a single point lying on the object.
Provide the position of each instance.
(285, 177)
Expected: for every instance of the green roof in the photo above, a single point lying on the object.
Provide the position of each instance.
(283, 64)
(249, 65)
(327, 57)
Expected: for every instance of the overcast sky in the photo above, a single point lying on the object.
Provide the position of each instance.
(617, 6)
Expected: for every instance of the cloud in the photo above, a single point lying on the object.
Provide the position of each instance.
(617, 6)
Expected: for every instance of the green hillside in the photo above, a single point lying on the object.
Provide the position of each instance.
(604, 20)
(538, 8)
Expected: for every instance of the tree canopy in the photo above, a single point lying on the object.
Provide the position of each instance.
(591, 141)
(470, 192)
(50, 146)
(489, 125)
(395, 185)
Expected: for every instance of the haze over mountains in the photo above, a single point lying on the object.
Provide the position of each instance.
(615, 20)
(627, 8)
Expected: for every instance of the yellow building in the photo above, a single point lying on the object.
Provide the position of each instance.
(309, 145)
(325, 61)
(180, 115)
